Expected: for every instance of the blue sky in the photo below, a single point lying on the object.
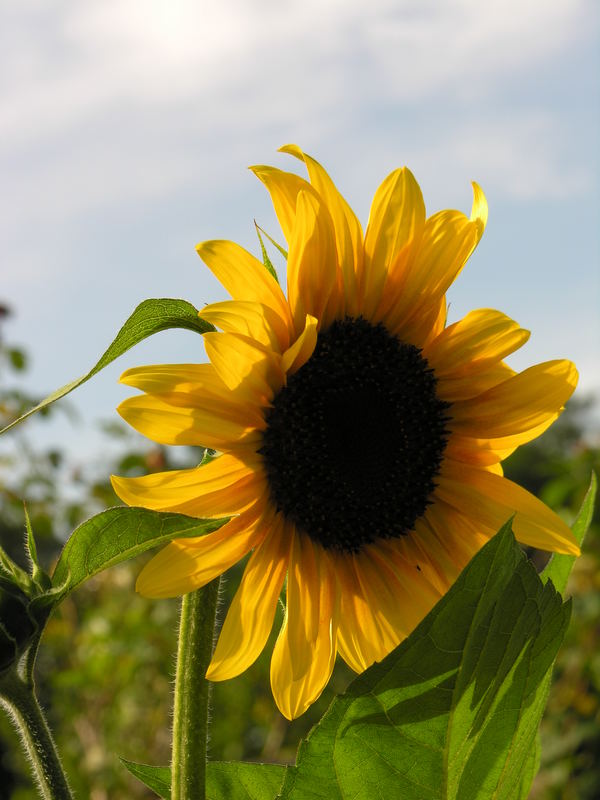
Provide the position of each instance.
(126, 128)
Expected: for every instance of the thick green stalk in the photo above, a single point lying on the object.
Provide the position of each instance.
(190, 713)
(17, 696)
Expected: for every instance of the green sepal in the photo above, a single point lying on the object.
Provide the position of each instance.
(150, 317)
(14, 573)
(224, 780)
(118, 534)
(39, 577)
(265, 256)
(208, 456)
(283, 252)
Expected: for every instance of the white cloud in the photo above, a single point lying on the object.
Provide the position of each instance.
(86, 57)
(125, 101)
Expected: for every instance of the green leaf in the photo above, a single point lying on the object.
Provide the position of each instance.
(265, 256)
(149, 318)
(11, 571)
(118, 534)
(224, 780)
(453, 712)
(156, 778)
(559, 567)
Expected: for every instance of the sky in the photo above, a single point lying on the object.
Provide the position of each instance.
(126, 129)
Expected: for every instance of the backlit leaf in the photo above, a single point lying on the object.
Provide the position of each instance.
(149, 318)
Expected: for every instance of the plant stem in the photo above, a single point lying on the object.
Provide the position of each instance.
(190, 713)
(18, 698)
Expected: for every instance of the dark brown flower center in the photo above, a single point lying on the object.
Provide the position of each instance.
(355, 440)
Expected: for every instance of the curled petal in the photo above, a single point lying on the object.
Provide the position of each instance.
(252, 372)
(245, 278)
(255, 320)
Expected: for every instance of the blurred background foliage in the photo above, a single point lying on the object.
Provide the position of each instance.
(106, 664)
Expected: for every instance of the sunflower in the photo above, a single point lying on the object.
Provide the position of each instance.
(359, 436)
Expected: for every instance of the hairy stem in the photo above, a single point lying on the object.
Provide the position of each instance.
(190, 717)
(17, 696)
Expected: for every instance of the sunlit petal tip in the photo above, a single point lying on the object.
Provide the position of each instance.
(479, 209)
(202, 246)
(292, 150)
(126, 376)
(572, 376)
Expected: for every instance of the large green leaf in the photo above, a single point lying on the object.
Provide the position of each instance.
(224, 780)
(149, 317)
(118, 534)
(453, 712)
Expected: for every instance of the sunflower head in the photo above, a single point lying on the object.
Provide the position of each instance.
(360, 436)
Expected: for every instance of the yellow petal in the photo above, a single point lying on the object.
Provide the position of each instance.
(479, 209)
(492, 501)
(396, 218)
(461, 536)
(528, 400)
(250, 371)
(347, 228)
(187, 564)
(416, 553)
(250, 616)
(284, 188)
(361, 640)
(254, 320)
(456, 389)
(245, 278)
(302, 349)
(214, 423)
(312, 262)
(164, 378)
(481, 338)
(224, 486)
(400, 595)
(304, 654)
(437, 325)
(483, 452)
